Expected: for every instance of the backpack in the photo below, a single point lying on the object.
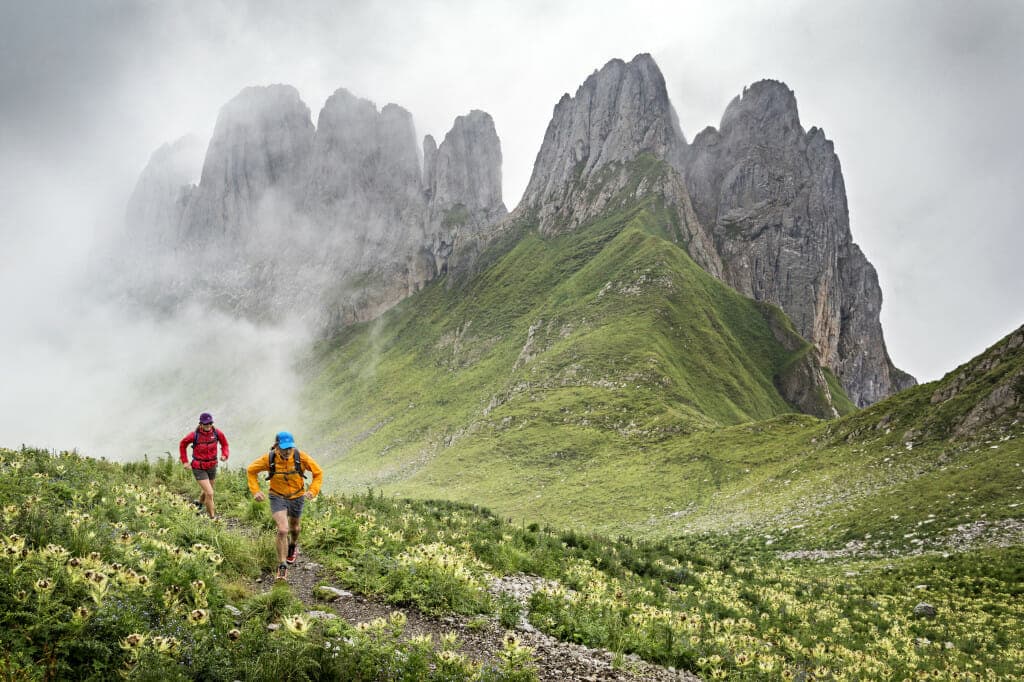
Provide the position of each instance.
(195, 442)
(273, 464)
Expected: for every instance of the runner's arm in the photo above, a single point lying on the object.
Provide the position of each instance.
(318, 473)
(183, 447)
(253, 470)
(225, 451)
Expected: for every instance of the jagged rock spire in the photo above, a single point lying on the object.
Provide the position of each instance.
(346, 204)
(154, 210)
(463, 185)
(619, 112)
(261, 144)
(773, 199)
(466, 168)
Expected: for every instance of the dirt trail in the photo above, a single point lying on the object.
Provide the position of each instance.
(556, 661)
(479, 638)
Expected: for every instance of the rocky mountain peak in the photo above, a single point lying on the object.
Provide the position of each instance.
(620, 112)
(463, 185)
(363, 160)
(273, 118)
(773, 200)
(261, 142)
(466, 168)
(766, 110)
(156, 204)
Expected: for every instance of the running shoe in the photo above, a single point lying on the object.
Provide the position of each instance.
(282, 572)
(292, 551)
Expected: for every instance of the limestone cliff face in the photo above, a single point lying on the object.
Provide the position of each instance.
(617, 114)
(585, 165)
(336, 223)
(156, 205)
(773, 200)
(462, 179)
(258, 153)
(364, 164)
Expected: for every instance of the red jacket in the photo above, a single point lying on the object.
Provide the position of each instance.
(204, 453)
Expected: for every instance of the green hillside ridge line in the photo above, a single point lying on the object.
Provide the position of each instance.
(939, 410)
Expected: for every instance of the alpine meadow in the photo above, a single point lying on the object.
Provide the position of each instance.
(642, 426)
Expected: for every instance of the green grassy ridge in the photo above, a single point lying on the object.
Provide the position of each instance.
(912, 480)
(912, 416)
(794, 481)
(570, 356)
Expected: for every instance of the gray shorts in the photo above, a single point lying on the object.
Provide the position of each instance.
(294, 507)
(204, 474)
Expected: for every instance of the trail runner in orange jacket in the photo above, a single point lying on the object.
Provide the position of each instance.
(286, 465)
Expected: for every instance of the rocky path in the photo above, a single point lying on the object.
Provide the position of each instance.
(480, 639)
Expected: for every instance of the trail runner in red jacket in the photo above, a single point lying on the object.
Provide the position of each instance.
(204, 441)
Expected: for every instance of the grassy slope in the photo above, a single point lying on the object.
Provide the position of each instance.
(551, 385)
(602, 380)
(705, 604)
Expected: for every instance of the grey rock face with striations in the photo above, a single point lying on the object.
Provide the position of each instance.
(364, 163)
(163, 190)
(259, 153)
(336, 223)
(364, 185)
(365, 200)
(463, 187)
(467, 167)
(773, 200)
(618, 113)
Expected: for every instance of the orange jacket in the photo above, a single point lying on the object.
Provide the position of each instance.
(286, 482)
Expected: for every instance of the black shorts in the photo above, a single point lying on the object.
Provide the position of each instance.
(205, 474)
(294, 507)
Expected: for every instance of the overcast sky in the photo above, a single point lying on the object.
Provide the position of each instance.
(922, 100)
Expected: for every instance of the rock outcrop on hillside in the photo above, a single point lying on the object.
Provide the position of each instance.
(773, 200)
(1000, 369)
(587, 162)
(336, 222)
(162, 192)
(762, 205)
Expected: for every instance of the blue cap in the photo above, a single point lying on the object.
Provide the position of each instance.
(206, 418)
(285, 440)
